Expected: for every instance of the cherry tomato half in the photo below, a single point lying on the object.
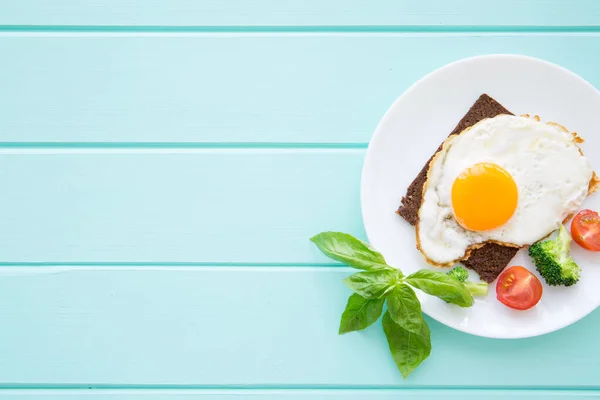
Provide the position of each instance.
(585, 230)
(518, 288)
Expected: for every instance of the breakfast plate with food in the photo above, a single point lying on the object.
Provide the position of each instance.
(486, 166)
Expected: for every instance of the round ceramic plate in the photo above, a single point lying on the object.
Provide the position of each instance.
(412, 130)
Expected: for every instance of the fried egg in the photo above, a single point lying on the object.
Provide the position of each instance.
(509, 180)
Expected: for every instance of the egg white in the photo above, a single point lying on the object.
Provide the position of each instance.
(551, 173)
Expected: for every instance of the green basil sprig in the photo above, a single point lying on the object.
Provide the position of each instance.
(405, 328)
(360, 313)
(349, 250)
(441, 285)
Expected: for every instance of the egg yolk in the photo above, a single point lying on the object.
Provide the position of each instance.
(484, 197)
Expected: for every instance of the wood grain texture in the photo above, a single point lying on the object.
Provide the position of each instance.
(263, 327)
(190, 206)
(137, 138)
(315, 394)
(222, 88)
(307, 12)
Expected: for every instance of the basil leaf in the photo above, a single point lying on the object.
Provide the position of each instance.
(349, 250)
(404, 308)
(372, 284)
(441, 285)
(360, 313)
(408, 349)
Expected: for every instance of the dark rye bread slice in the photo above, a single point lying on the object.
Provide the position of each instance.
(489, 260)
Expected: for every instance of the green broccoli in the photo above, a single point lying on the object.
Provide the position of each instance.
(552, 260)
(462, 275)
(459, 273)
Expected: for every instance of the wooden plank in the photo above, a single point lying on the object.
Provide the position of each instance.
(313, 394)
(263, 327)
(307, 12)
(217, 88)
(175, 205)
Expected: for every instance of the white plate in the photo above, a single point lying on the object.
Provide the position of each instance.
(411, 131)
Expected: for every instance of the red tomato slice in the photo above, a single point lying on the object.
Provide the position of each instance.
(585, 230)
(518, 288)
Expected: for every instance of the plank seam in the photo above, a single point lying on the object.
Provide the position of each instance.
(180, 145)
(305, 29)
(168, 264)
(297, 388)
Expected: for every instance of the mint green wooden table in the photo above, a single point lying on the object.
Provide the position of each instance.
(164, 162)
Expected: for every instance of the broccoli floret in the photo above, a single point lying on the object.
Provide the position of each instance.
(552, 260)
(461, 275)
